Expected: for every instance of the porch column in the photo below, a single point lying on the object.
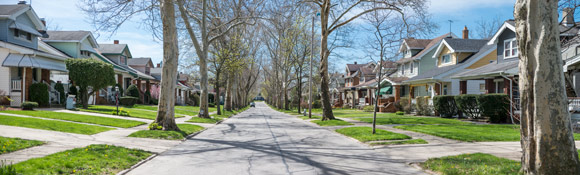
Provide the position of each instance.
(353, 99)
(45, 75)
(506, 86)
(411, 92)
(369, 96)
(463, 87)
(437, 89)
(27, 82)
(489, 86)
(139, 84)
(397, 92)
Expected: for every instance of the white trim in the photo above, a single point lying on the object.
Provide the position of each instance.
(440, 48)
(500, 31)
(443, 63)
(511, 48)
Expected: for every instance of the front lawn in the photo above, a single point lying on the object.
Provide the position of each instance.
(401, 142)
(478, 163)
(471, 133)
(389, 119)
(183, 110)
(203, 120)
(313, 117)
(335, 122)
(80, 118)
(136, 113)
(364, 134)
(52, 125)
(15, 144)
(93, 159)
(186, 129)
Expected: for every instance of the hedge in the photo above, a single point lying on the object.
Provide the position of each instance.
(445, 105)
(39, 94)
(494, 106)
(133, 91)
(128, 100)
(468, 105)
(422, 106)
(29, 105)
(60, 88)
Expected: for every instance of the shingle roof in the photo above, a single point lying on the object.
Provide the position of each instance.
(433, 43)
(491, 68)
(112, 48)
(66, 35)
(465, 45)
(366, 70)
(138, 61)
(417, 43)
(389, 64)
(354, 67)
(7, 10)
(397, 79)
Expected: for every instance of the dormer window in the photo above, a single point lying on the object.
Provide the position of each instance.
(22, 34)
(85, 53)
(446, 59)
(403, 69)
(412, 66)
(510, 48)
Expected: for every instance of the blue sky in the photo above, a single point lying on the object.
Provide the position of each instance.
(66, 15)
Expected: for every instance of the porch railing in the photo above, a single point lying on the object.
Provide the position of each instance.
(574, 104)
(16, 85)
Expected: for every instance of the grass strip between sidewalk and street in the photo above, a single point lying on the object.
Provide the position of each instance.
(186, 129)
(477, 163)
(389, 119)
(122, 123)
(335, 122)
(136, 113)
(93, 159)
(203, 120)
(14, 144)
(401, 142)
(364, 134)
(52, 125)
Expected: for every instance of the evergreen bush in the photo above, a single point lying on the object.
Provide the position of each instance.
(39, 94)
(445, 105)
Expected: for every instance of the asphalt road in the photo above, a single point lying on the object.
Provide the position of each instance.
(264, 141)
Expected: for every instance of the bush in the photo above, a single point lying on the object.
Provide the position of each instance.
(404, 105)
(211, 98)
(154, 101)
(155, 126)
(422, 106)
(39, 94)
(29, 105)
(400, 113)
(195, 99)
(369, 108)
(316, 104)
(60, 88)
(494, 106)
(468, 105)
(445, 105)
(211, 105)
(73, 90)
(128, 100)
(133, 91)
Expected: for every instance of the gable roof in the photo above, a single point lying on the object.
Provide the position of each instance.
(460, 45)
(508, 24)
(113, 48)
(13, 11)
(413, 43)
(71, 36)
(354, 67)
(139, 61)
(505, 68)
(433, 42)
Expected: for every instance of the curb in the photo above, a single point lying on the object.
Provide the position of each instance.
(137, 165)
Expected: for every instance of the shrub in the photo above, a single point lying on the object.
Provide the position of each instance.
(494, 106)
(7, 168)
(210, 98)
(195, 99)
(467, 104)
(445, 105)
(133, 91)
(60, 88)
(400, 113)
(211, 105)
(128, 100)
(122, 112)
(29, 105)
(154, 101)
(73, 90)
(316, 104)
(39, 94)
(422, 106)
(155, 126)
(404, 105)
(147, 96)
(369, 108)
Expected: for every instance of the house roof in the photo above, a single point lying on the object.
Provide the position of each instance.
(66, 35)
(464, 45)
(438, 71)
(389, 64)
(506, 68)
(139, 61)
(413, 43)
(9, 10)
(13, 11)
(508, 24)
(354, 67)
(366, 70)
(432, 44)
(112, 48)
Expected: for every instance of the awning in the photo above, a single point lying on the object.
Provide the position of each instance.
(19, 60)
(386, 90)
(26, 28)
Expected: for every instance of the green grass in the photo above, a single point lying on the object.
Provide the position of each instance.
(52, 125)
(471, 133)
(401, 142)
(186, 129)
(15, 144)
(183, 110)
(313, 117)
(93, 159)
(203, 120)
(136, 113)
(478, 163)
(335, 122)
(364, 134)
(386, 119)
(80, 118)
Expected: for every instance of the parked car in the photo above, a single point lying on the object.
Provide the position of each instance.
(252, 104)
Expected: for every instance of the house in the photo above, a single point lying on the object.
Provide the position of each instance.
(417, 59)
(120, 55)
(182, 90)
(357, 74)
(24, 58)
(453, 55)
(144, 66)
(336, 83)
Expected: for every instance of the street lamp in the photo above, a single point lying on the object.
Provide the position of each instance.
(310, 78)
(117, 98)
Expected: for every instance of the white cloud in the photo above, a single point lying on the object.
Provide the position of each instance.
(446, 6)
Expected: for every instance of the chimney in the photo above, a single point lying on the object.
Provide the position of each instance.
(355, 62)
(568, 16)
(43, 21)
(158, 64)
(22, 2)
(116, 42)
(465, 33)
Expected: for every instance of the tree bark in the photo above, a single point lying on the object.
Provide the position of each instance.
(217, 96)
(546, 131)
(228, 102)
(165, 112)
(323, 70)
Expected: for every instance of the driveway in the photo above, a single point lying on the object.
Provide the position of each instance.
(263, 141)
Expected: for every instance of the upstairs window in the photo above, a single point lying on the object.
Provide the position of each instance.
(123, 59)
(22, 34)
(412, 67)
(85, 53)
(510, 48)
(403, 69)
(446, 59)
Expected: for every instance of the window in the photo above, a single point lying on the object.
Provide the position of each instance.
(446, 59)
(444, 89)
(403, 69)
(22, 34)
(510, 48)
(482, 87)
(123, 59)
(412, 67)
(85, 53)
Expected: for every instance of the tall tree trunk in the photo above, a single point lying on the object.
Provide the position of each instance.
(228, 102)
(323, 70)
(165, 111)
(299, 88)
(217, 92)
(546, 131)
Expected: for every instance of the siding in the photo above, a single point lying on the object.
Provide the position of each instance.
(507, 34)
(427, 62)
(4, 73)
(484, 61)
(445, 51)
(70, 49)
(473, 86)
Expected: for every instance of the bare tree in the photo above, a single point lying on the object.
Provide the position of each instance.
(486, 28)
(334, 15)
(546, 130)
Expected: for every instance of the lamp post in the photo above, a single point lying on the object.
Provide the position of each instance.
(310, 77)
(117, 98)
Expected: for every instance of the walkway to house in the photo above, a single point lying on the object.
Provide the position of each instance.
(60, 141)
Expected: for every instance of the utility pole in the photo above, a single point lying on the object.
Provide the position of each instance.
(310, 77)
